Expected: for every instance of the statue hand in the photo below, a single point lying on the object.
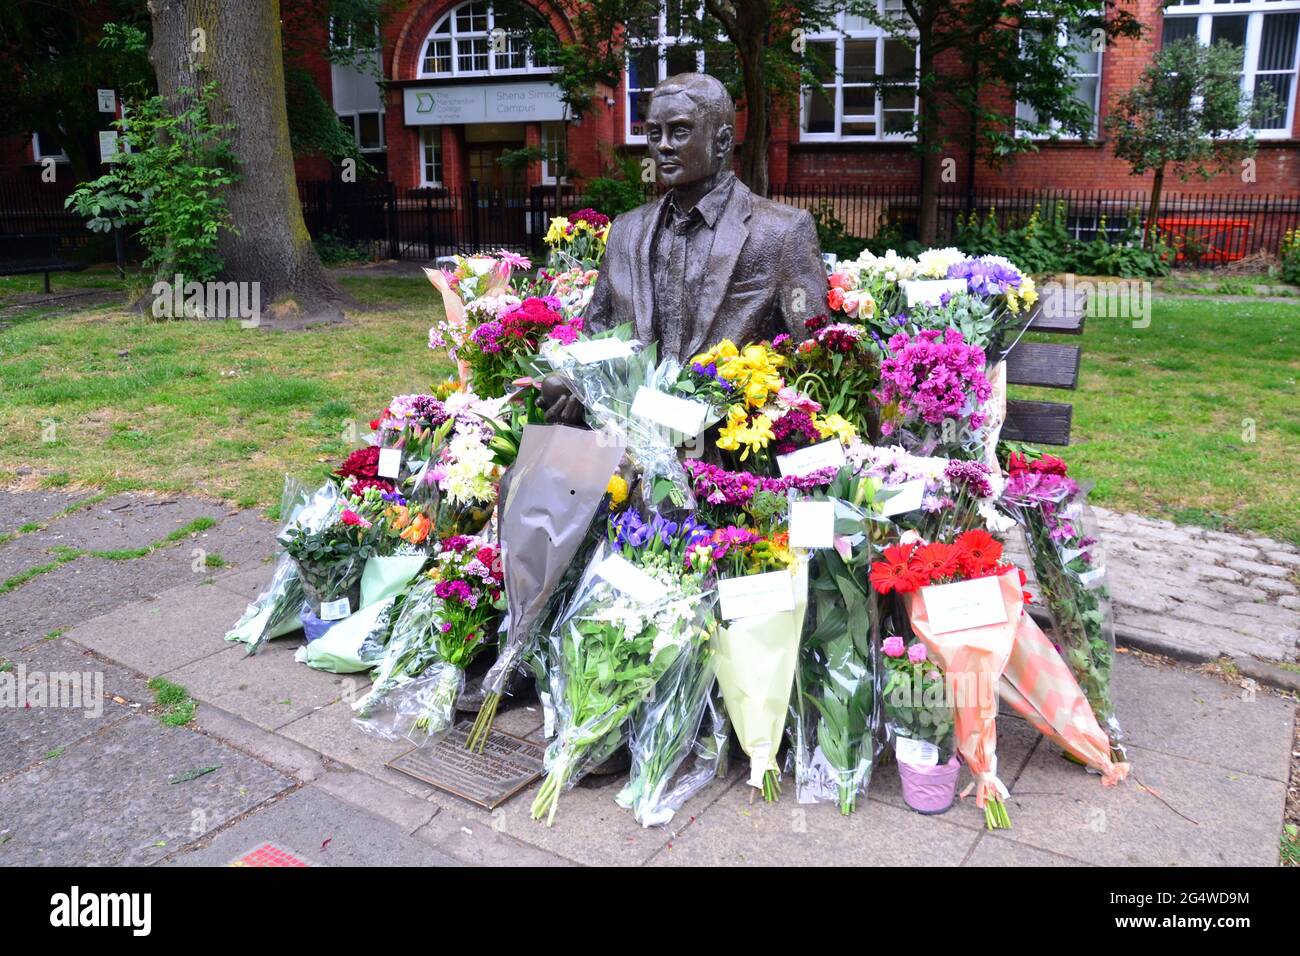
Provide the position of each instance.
(562, 406)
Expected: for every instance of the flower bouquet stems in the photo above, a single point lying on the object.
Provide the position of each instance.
(662, 733)
(640, 607)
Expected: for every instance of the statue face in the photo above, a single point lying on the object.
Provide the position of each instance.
(682, 141)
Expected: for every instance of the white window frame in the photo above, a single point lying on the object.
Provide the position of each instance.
(838, 35)
(1063, 40)
(352, 119)
(60, 157)
(558, 129)
(662, 42)
(430, 141)
(1205, 10)
(454, 35)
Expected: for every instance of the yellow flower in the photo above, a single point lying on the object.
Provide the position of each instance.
(558, 232)
(617, 490)
(729, 434)
(726, 349)
(836, 425)
(756, 436)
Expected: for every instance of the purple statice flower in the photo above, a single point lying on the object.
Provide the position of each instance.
(973, 474)
(985, 276)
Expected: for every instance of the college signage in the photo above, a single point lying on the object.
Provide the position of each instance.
(483, 103)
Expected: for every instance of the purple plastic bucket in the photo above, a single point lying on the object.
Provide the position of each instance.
(929, 790)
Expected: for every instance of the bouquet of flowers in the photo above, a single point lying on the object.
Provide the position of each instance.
(835, 704)
(834, 367)
(973, 646)
(916, 705)
(936, 497)
(473, 278)
(763, 597)
(1071, 572)
(651, 407)
(573, 287)
(276, 610)
(642, 606)
(579, 238)
(446, 619)
(549, 497)
(330, 557)
(933, 391)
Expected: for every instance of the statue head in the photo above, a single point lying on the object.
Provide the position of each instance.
(690, 129)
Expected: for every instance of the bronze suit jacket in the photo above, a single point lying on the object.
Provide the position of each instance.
(764, 277)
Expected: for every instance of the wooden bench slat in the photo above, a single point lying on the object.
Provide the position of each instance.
(1061, 313)
(1038, 423)
(1047, 366)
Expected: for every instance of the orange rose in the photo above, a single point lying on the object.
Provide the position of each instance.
(418, 530)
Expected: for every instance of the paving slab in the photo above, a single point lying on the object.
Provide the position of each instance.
(82, 704)
(1204, 719)
(157, 635)
(734, 831)
(321, 830)
(1007, 852)
(269, 690)
(129, 521)
(1223, 818)
(83, 589)
(115, 805)
(247, 580)
(331, 732)
(26, 507)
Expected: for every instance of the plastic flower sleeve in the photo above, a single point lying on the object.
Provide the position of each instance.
(349, 646)
(409, 650)
(627, 627)
(548, 499)
(835, 707)
(1069, 564)
(419, 708)
(756, 657)
(664, 733)
(275, 612)
(610, 389)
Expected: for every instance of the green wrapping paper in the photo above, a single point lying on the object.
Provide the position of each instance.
(755, 658)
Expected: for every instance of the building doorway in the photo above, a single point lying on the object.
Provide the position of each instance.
(502, 190)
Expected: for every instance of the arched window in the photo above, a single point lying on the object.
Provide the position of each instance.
(467, 42)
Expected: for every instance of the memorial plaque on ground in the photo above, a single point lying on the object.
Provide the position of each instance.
(506, 765)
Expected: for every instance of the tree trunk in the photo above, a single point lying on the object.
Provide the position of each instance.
(238, 46)
(927, 217)
(758, 127)
(1153, 208)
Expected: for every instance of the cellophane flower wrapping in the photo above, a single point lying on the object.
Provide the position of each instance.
(448, 616)
(973, 660)
(665, 731)
(618, 648)
(1038, 685)
(549, 497)
(1065, 548)
(275, 612)
(608, 389)
(835, 709)
(756, 658)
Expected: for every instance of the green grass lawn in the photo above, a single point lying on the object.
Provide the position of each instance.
(1194, 418)
(1162, 422)
(204, 407)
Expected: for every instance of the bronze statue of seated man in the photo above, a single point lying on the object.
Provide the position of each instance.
(708, 260)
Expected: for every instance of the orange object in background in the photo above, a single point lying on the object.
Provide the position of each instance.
(1205, 238)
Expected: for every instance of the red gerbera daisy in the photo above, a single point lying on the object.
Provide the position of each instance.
(895, 573)
(978, 552)
(934, 562)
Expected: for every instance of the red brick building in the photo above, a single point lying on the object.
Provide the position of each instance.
(452, 103)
